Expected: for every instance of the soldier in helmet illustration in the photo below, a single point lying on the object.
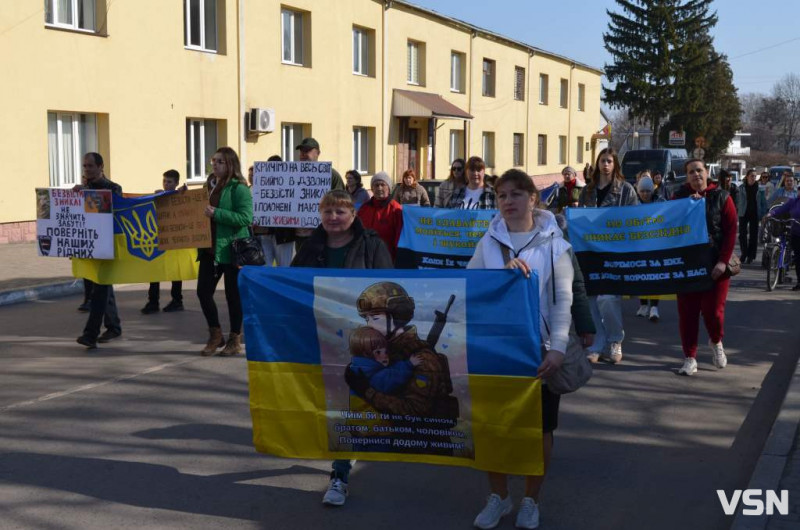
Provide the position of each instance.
(387, 307)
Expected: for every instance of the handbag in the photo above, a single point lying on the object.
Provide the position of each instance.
(734, 266)
(248, 251)
(575, 371)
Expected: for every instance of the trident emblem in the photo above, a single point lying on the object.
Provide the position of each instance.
(142, 238)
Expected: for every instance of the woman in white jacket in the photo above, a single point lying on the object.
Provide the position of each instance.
(526, 238)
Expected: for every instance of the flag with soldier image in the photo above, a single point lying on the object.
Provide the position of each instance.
(419, 366)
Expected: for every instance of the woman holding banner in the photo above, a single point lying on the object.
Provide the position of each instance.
(607, 189)
(527, 238)
(341, 242)
(230, 208)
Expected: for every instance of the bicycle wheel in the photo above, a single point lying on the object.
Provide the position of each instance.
(772, 267)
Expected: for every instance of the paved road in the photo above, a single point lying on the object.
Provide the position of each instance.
(146, 434)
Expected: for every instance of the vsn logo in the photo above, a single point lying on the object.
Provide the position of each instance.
(752, 499)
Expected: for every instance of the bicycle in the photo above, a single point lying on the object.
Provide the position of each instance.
(778, 250)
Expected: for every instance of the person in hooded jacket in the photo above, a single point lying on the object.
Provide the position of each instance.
(527, 238)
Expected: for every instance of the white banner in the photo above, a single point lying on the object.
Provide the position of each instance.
(287, 194)
(76, 224)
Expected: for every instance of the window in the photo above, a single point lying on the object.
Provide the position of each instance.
(69, 137)
(544, 79)
(579, 149)
(519, 147)
(488, 78)
(416, 63)
(562, 149)
(581, 97)
(519, 83)
(201, 24)
(456, 144)
(201, 143)
(291, 136)
(488, 149)
(361, 149)
(564, 94)
(72, 14)
(542, 145)
(457, 74)
(361, 51)
(292, 31)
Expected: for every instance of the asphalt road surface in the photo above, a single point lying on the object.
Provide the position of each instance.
(146, 434)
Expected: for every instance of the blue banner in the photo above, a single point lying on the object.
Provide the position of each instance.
(648, 249)
(440, 238)
(441, 365)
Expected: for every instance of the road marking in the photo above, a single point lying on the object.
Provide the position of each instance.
(91, 386)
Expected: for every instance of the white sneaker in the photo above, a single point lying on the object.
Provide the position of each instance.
(494, 510)
(528, 515)
(689, 367)
(719, 359)
(593, 357)
(654, 316)
(642, 311)
(336, 494)
(615, 352)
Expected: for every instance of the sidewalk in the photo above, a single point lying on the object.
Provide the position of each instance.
(25, 276)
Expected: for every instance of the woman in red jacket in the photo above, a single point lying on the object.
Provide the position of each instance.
(382, 213)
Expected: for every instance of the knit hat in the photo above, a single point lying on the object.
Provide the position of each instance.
(645, 184)
(569, 169)
(381, 176)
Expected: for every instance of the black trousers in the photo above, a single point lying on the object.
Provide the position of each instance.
(207, 278)
(103, 311)
(87, 290)
(748, 235)
(153, 293)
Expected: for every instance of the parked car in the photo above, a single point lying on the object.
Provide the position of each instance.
(776, 172)
(663, 160)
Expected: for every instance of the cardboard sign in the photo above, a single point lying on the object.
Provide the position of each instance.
(287, 194)
(74, 223)
(181, 220)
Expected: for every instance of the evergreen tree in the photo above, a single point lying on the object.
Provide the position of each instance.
(653, 44)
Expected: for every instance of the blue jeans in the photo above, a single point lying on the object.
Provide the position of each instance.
(341, 469)
(607, 315)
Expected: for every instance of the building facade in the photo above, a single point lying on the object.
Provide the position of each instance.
(382, 85)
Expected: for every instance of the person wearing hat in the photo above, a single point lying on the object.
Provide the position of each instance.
(569, 190)
(309, 152)
(382, 213)
(648, 308)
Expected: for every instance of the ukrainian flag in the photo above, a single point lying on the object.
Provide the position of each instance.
(298, 322)
(137, 257)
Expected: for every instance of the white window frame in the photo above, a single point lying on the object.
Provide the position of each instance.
(196, 174)
(361, 51)
(361, 149)
(412, 76)
(204, 45)
(52, 7)
(487, 145)
(291, 136)
(296, 53)
(488, 77)
(519, 83)
(457, 72)
(579, 151)
(518, 149)
(58, 175)
(544, 88)
(562, 149)
(456, 144)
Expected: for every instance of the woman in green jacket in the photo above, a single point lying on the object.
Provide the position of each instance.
(230, 207)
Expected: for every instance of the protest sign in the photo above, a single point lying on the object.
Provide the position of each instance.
(438, 238)
(74, 223)
(287, 194)
(455, 383)
(182, 222)
(135, 243)
(649, 249)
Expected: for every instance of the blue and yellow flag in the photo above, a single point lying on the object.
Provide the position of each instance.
(416, 366)
(137, 257)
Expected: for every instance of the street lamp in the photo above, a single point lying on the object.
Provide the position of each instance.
(635, 140)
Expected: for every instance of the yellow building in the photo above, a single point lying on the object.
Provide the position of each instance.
(382, 85)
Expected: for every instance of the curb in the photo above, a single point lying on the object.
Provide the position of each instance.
(769, 469)
(41, 292)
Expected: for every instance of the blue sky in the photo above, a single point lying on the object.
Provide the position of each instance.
(574, 28)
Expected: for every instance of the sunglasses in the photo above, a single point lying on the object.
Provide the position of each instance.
(457, 168)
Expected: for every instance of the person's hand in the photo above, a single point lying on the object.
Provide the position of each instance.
(696, 195)
(183, 188)
(517, 263)
(718, 270)
(209, 212)
(415, 359)
(587, 339)
(550, 364)
(358, 382)
(77, 187)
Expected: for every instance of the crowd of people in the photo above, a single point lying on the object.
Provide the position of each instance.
(360, 229)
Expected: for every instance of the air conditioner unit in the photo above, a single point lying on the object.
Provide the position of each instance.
(261, 120)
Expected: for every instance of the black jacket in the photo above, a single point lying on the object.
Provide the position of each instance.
(367, 250)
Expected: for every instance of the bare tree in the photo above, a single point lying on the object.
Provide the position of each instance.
(786, 94)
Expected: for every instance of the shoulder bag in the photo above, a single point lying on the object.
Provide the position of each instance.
(248, 251)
